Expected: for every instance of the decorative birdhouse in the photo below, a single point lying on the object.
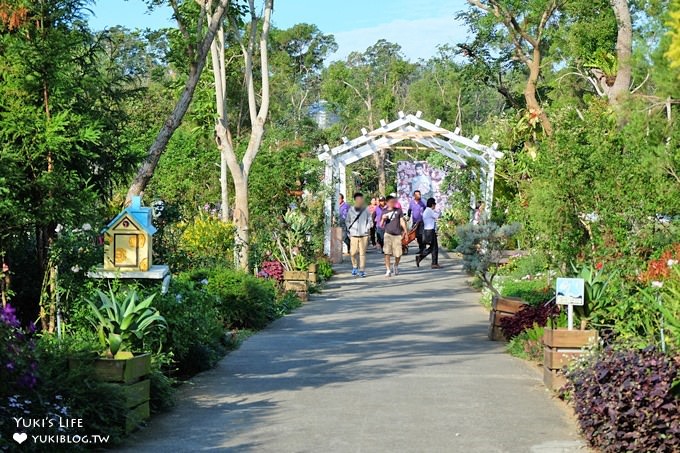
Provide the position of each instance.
(128, 239)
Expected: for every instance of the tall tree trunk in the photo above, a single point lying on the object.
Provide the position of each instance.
(224, 186)
(241, 207)
(145, 172)
(379, 160)
(220, 77)
(240, 170)
(50, 268)
(624, 52)
(242, 221)
(41, 241)
(54, 297)
(530, 97)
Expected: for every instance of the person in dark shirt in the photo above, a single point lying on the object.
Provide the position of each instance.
(395, 230)
(379, 225)
(430, 217)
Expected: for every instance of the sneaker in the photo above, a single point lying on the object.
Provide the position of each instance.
(396, 271)
(388, 273)
(362, 274)
(355, 272)
(436, 266)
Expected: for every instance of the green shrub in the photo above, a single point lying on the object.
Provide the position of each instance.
(207, 241)
(528, 345)
(448, 222)
(532, 264)
(286, 303)
(324, 270)
(487, 297)
(194, 325)
(243, 300)
(533, 292)
(162, 385)
(482, 248)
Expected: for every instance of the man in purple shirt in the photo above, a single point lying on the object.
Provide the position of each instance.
(343, 209)
(415, 211)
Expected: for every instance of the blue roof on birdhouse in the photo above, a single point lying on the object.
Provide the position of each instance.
(140, 214)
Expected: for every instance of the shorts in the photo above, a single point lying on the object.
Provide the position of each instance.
(392, 245)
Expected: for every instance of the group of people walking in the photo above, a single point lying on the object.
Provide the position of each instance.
(384, 224)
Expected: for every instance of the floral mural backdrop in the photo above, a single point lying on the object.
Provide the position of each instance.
(420, 175)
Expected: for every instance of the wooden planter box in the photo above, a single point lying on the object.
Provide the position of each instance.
(560, 347)
(502, 307)
(295, 275)
(123, 370)
(132, 376)
(297, 281)
(311, 276)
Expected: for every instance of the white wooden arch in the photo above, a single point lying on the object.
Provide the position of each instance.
(405, 127)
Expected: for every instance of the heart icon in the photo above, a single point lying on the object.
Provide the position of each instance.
(20, 438)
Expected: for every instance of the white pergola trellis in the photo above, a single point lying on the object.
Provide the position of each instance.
(406, 127)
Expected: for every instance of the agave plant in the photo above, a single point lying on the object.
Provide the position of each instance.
(119, 319)
(596, 284)
(293, 249)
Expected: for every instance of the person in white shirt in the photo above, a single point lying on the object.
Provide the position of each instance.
(430, 217)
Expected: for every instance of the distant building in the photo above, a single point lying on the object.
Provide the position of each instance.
(322, 115)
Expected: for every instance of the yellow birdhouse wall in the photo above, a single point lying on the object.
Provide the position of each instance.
(127, 247)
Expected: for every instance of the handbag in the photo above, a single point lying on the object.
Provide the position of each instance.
(411, 235)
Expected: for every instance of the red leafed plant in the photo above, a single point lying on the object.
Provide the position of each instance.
(660, 268)
(624, 400)
(273, 270)
(527, 317)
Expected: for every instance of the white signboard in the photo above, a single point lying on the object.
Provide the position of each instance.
(570, 291)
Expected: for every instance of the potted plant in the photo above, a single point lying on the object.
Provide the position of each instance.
(482, 247)
(118, 321)
(294, 251)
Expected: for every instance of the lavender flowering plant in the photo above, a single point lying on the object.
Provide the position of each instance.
(17, 358)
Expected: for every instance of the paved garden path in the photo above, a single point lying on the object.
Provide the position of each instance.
(370, 365)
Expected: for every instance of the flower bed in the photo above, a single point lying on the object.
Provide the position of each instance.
(624, 400)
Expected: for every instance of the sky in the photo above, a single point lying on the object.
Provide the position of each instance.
(417, 25)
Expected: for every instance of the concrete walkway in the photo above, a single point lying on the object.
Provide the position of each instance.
(370, 365)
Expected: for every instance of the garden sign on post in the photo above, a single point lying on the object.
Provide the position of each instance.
(570, 292)
(406, 127)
